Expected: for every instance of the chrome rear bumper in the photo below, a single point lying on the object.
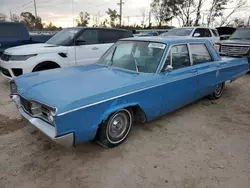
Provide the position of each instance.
(65, 140)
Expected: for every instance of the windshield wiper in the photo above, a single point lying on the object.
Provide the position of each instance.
(137, 66)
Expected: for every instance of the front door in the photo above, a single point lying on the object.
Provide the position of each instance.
(181, 81)
(87, 47)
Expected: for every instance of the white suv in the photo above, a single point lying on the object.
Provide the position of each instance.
(69, 47)
(201, 32)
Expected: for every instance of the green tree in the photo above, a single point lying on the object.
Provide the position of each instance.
(113, 17)
(83, 19)
(51, 27)
(31, 21)
(165, 10)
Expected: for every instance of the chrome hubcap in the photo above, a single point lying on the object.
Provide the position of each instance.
(218, 89)
(119, 126)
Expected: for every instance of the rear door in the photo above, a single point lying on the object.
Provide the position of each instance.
(206, 67)
(182, 82)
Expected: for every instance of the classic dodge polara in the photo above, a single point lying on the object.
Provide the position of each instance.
(136, 80)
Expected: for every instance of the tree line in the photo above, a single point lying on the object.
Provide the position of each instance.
(187, 12)
(198, 12)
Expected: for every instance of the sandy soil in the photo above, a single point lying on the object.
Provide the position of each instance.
(204, 145)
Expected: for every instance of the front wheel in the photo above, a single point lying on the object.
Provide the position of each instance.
(113, 131)
(218, 91)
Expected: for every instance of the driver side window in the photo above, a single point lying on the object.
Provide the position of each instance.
(89, 36)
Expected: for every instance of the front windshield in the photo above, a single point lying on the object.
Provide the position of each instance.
(179, 32)
(137, 56)
(241, 34)
(63, 37)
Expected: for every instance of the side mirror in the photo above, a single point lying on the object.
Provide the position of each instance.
(169, 68)
(197, 35)
(80, 42)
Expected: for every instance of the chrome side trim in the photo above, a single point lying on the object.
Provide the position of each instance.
(116, 97)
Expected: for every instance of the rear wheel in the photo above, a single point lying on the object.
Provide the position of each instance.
(218, 91)
(113, 131)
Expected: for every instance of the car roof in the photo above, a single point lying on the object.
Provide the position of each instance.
(194, 27)
(166, 40)
(99, 28)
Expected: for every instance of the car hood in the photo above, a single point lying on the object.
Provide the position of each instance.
(72, 87)
(35, 49)
(236, 42)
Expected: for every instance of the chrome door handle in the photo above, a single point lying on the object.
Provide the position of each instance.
(95, 48)
(194, 71)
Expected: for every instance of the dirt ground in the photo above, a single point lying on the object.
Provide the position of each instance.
(203, 145)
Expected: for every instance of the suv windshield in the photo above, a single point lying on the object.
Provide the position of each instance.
(137, 56)
(179, 32)
(63, 37)
(241, 34)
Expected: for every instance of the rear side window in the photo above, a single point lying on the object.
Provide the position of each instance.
(215, 32)
(200, 54)
(108, 36)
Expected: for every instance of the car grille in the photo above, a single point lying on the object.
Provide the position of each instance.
(234, 50)
(26, 104)
(5, 57)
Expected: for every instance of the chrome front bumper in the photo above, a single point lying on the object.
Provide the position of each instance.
(65, 140)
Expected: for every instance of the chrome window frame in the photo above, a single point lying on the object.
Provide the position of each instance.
(189, 51)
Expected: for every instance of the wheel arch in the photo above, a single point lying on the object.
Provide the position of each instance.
(45, 63)
(138, 113)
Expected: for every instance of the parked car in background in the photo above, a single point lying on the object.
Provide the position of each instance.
(136, 80)
(225, 32)
(16, 34)
(238, 44)
(196, 32)
(146, 33)
(71, 46)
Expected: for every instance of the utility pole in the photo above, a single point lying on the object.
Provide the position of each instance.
(10, 15)
(120, 4)
(35, 8)
(248, 21)
(149, 18)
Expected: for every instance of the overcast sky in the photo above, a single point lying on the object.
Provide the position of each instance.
(60, 12)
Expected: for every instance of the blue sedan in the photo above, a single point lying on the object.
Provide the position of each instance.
(136, 80)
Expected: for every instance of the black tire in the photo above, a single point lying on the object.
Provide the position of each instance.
(107, 130)
(218, 91)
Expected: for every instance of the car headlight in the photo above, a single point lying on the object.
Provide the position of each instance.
(21, 57)
(42, 111)
(13, 88)
(217, 47)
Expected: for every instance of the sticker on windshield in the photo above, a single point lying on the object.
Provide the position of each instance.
(157, 45)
